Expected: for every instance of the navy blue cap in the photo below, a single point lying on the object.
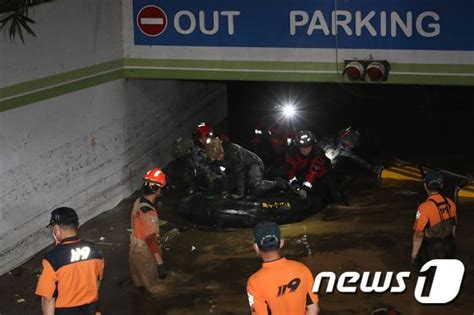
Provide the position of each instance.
(434, 180)
(267, 236)
(63, 215)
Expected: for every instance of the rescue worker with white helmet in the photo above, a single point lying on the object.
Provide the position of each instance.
(309, 168)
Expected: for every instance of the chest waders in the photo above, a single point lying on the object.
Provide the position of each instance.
(438, 242)
(134, 241)
(142, 262)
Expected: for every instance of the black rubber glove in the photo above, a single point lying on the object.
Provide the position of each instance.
(295, 187)
(162, 271)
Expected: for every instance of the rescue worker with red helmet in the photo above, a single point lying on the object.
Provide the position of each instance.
(145, 258)
(198, 173)
(308, 166)
(435, 224)
(202, 133)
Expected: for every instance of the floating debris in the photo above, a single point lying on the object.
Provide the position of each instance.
(105, 243)
(170, 235)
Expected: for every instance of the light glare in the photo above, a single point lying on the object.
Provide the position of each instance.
(289, 110)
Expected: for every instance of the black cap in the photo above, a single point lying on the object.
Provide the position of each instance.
(267, 236)
(63, 215)
(434, 180)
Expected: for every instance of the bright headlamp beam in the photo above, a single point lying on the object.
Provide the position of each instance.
(289, 110)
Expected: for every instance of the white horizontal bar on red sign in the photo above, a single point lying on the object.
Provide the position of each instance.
(152, 21)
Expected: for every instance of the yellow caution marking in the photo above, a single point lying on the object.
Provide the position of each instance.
(402, 173)
(467, 191)
(275, 205)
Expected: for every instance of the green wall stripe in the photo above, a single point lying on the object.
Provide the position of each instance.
(430, 80)
(137, 68)
(60, 90)
(59, 78)
(287, 65)
(291, 77)
(230, 64)
(397, 67)
(233, 76)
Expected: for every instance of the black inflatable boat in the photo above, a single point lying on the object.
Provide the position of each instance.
(222, 212)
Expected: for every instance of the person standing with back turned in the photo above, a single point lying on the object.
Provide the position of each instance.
(435, 224)
(281, 286)
(72, 270)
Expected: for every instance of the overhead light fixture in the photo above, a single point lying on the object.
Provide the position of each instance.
(289, 110)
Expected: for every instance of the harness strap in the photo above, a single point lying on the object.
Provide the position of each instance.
(137, 206)
(439, 205)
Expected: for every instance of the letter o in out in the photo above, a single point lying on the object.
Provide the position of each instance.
(192, 22)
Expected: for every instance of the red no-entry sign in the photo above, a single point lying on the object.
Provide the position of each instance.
(152, 20)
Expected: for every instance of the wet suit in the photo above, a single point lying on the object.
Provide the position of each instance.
(312, 173)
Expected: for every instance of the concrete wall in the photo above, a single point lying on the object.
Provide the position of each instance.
(79, 141)
(88, 150)
(71, 34)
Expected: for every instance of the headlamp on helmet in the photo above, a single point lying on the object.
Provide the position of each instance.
(305, 138)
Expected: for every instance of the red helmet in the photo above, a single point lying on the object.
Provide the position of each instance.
(156, 176)
(203, 130)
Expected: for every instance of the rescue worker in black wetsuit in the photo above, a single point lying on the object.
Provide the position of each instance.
(435, 224)
(198, 172)
(243, 168)
(308, 167)
(343, 146)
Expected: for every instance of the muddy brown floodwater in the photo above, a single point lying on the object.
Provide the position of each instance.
(208, 268)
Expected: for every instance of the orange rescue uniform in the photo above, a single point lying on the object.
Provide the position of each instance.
(71, 271)
(281, 287)
(436, 219)
(144, 242)
(433, 211)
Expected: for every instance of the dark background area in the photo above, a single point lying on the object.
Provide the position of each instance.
(423, 124)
